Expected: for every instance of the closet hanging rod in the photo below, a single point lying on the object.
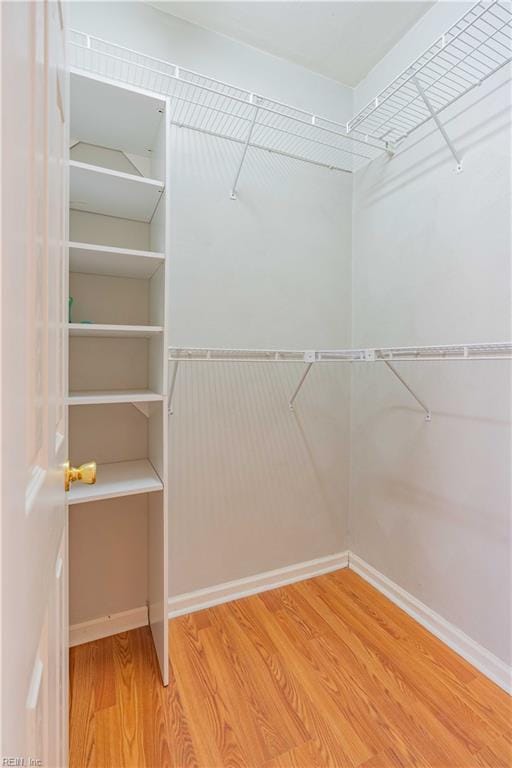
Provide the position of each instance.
(472, 351)
(386, 355)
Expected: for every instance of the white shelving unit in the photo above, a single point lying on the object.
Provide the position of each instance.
(119, 212)
(88, 258)
(472, 50)
(114, 331)
(123, 478)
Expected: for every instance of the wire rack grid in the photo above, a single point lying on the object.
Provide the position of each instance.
(480, 351)
(211, 106)
(474, 48)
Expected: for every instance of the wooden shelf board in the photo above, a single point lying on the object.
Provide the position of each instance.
(112, 193)
(117, 396)
(113, 331)
(117, 262)
(123, 478)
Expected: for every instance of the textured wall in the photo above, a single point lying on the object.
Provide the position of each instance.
(253, 487)
(431, 503)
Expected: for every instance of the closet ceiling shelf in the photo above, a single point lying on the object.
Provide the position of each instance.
(470, 51)
(204, 104)
(475, 47)
(491, 351)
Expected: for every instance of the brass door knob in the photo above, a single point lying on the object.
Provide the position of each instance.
(85, 473)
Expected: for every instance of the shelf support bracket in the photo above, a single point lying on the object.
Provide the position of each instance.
(309, 358)
(428, 413)
(172, 388)
(438, 123)
(143, 408)
(244, 152)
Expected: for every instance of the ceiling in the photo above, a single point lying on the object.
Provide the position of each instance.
(341, 40)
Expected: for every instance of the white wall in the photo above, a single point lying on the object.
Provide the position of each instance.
(253, 487)
(430, 503)
(143, 28)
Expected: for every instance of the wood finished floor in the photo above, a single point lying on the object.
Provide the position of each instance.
(326, 672)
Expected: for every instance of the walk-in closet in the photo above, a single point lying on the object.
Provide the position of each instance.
(256, 356)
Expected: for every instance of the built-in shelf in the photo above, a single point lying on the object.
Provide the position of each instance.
(112, 193)
(123, 478)
(110, 116)
(115, 262)
(106, 397)
(114, 331)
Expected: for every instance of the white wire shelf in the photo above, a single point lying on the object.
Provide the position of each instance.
(473, 49)
(492, 351)
(385, 355)
(204, 104)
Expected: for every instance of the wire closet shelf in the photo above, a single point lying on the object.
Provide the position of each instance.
(491, 351)
(386, 355)
(219, 109)
(474, 48)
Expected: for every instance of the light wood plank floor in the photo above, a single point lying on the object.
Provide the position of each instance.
(326, 672)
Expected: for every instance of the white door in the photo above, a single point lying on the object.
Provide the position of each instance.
(33, 383)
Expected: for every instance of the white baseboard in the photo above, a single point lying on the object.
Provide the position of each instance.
(233, 590)
(107, 625)
(485, 661)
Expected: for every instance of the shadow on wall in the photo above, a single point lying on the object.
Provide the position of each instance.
(470, 124)
(254, 486)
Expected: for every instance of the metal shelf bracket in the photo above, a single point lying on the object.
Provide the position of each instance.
(172, 388)
(428, 413)
(309, 359)
(440, 126)
(233, 192)
(142, 408)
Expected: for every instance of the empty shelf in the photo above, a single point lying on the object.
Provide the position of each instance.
(117, 262)
(109, 116)
(119, 396)
(112, 193)
(112, 331)
(124, 478)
